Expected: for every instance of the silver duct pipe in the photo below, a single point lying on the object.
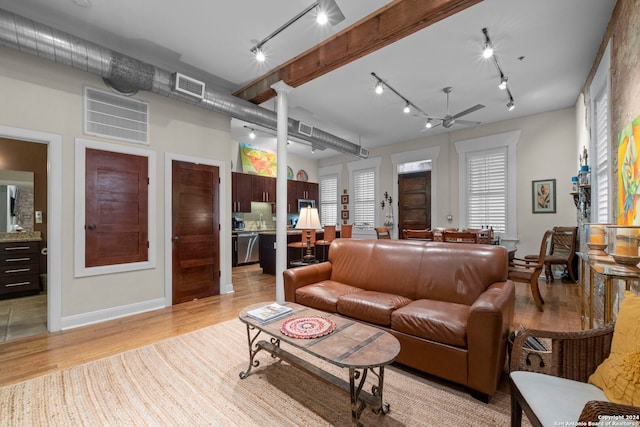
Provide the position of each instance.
(128, 75)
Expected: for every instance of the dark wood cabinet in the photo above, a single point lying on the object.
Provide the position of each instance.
(301, 190)
(241, 192)
(19, 268)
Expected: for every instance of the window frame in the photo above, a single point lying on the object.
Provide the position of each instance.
(356, 167)
(601, 85)
(330, 172)
(508, 141)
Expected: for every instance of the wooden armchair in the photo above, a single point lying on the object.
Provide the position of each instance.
(527, 270)
(562, 394)
(563, 250)
(417, 234)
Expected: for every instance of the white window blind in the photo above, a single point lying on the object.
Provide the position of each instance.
(364, 209)
(329, 200)
(486, 183)
(601, 161)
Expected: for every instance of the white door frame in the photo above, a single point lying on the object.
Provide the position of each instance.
(54, 216)
(225, 221)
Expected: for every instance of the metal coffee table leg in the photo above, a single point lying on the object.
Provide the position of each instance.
(357, 403)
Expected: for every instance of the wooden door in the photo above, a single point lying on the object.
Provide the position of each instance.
(414, 201)
(116, 208)
(195, 231)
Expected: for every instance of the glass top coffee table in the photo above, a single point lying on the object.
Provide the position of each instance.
(352, 345)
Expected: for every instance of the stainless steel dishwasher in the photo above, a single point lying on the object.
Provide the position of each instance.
(248, 247)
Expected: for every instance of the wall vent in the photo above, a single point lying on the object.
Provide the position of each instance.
(364, 153)
(188, 86)
(305, 129)
(115, 116)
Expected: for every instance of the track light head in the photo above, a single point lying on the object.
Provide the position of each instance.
(511, 105)
(487, 51)
(407, 108)
(252, 134)
(503, 82)
(428, 125)
(259, 54)
(379, 88)
(321, 17)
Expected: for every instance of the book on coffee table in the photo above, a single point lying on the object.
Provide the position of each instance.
(269, 312)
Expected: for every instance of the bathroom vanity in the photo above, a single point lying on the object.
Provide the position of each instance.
(19, 264)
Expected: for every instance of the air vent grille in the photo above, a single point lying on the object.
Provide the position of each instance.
(364, 153)
(305, 129)
(188, 86)
(116, 117)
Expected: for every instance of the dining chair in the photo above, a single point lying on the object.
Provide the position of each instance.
(328, 237)
(409, 234)
(562, 252)
(345, 231)
(527, 270)
(459, 237)
(383, 233)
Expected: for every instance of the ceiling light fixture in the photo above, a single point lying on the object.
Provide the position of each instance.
(407, 108)
(487, 51)
(503, 79)
(379, 88)
(428, 125)
(328, 12)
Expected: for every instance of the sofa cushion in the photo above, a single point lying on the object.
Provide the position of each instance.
(438, 321)
(370, 306)
(555, 400)
(323, 295)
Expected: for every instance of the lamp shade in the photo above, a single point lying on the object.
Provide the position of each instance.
(308, 219)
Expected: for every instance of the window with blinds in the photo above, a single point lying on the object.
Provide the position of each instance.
(486, 184)
(364, 204)
(329, 199)
(601, 161)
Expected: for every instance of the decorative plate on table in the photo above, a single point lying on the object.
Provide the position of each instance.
(289, 172)
(302, 175)
(307, 327)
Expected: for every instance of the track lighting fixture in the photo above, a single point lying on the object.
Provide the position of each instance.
(379, 88)
(428, 125)
(407, 108)
(327, 12)
(487, 51)
(503, 79)
(408, 105)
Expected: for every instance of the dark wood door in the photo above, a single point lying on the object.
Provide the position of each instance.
(116, 208)
(196, 231)
(414, 201)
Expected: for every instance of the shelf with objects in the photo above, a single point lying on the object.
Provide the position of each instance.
(604, 277)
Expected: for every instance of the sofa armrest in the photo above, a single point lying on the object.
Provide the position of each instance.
(487, 331)
(298, 277)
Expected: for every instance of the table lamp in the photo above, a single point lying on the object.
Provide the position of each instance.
(308, 220)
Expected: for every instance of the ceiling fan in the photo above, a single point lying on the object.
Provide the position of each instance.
(449, 120)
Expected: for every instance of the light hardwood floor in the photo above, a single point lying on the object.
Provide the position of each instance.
(26, 358)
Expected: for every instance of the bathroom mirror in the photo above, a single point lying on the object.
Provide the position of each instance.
(16, 201)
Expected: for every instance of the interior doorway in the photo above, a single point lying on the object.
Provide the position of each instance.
(21, 143)
(414, 201)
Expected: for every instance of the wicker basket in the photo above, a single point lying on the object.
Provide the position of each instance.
(533, 360)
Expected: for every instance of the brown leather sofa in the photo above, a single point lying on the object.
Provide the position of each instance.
(449, 304)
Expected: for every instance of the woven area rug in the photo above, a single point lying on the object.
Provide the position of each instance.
(192, 380)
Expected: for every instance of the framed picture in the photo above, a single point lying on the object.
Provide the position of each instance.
(345, 199)
(345, 214)
(544, 196)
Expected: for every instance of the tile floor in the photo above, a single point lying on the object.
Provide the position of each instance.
(21, 317)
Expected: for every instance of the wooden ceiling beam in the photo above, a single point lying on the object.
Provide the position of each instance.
(388, 24)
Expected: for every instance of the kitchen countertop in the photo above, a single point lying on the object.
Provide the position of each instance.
(20, 236)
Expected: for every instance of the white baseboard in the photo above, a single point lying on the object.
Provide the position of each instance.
(77, 320)
(226, 289)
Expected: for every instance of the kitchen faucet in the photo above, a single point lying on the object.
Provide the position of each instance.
(261, 222)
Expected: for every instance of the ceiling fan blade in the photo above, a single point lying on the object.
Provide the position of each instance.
(467, 123)
(468, 111)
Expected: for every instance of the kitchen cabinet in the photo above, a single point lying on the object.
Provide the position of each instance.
(300, 190)
(264, 190)
(241, 192)
(19, 268)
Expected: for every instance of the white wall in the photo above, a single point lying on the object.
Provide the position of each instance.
(40, 95)
(546, 150)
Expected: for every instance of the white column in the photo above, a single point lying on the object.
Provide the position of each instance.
(281, 186)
